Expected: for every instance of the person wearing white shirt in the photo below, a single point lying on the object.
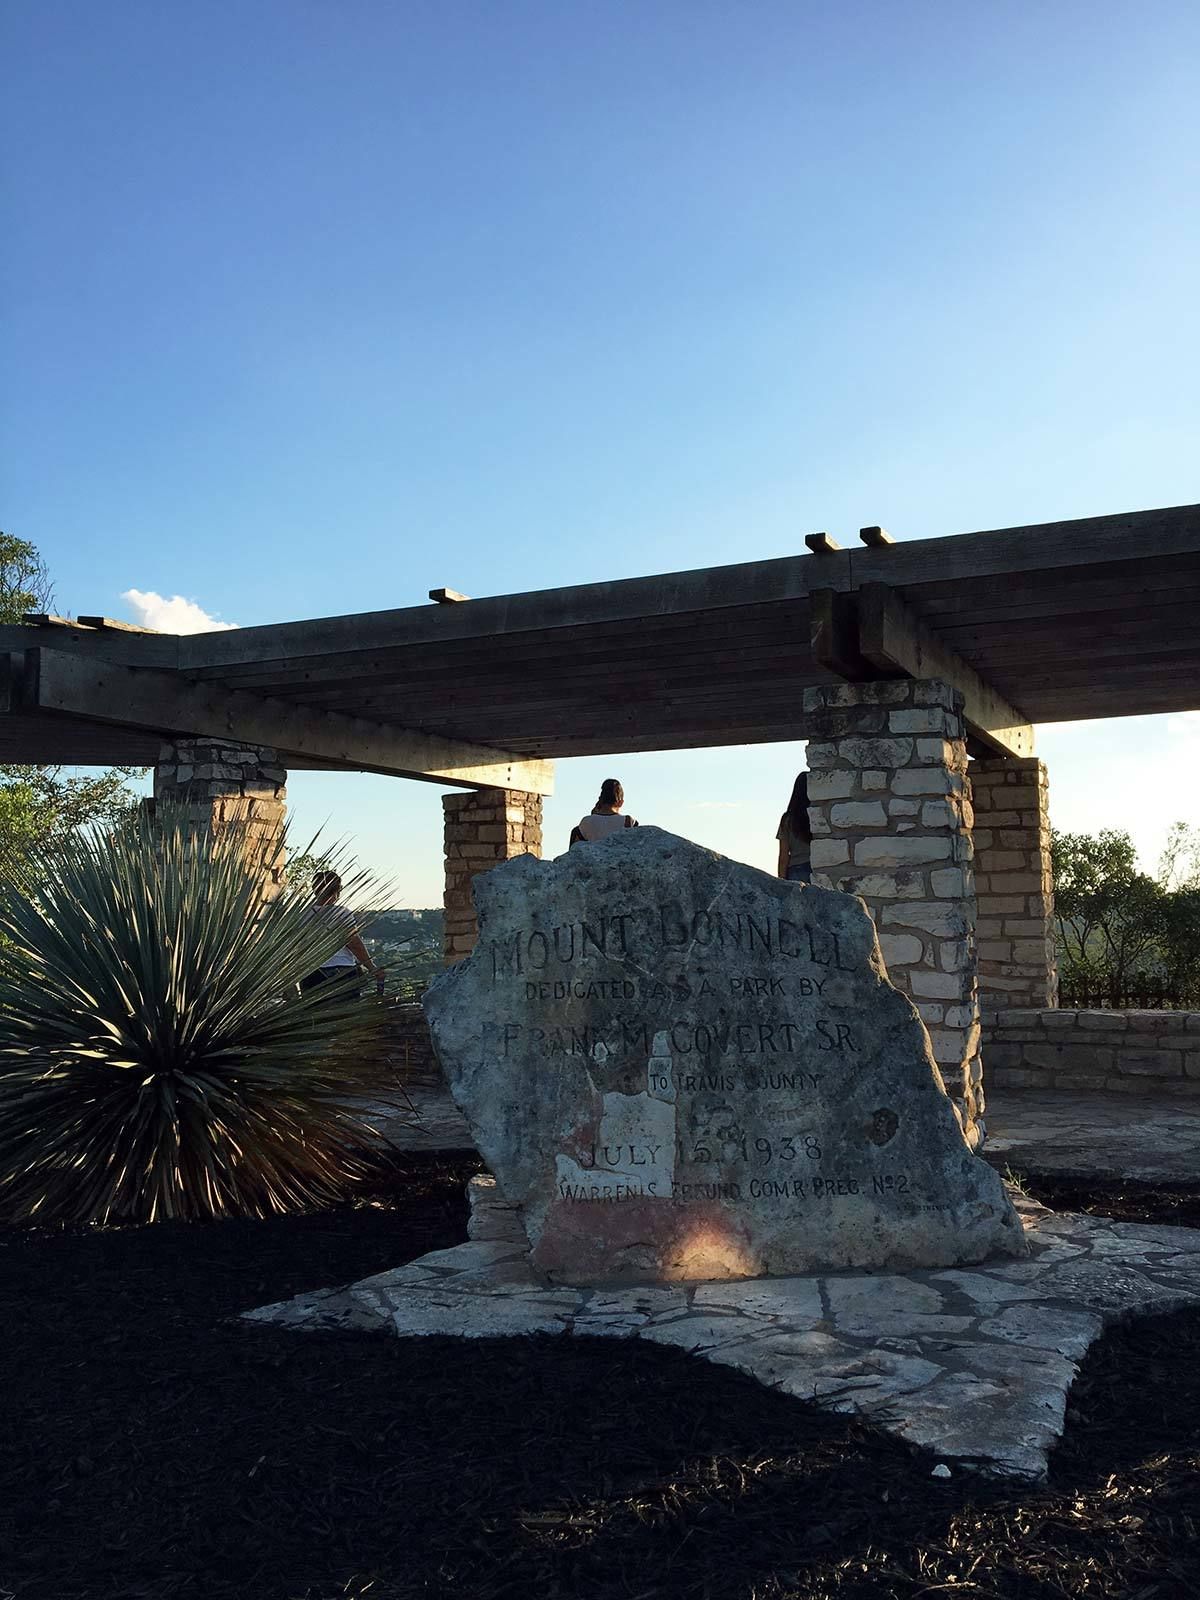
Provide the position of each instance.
(605, 817)
(353, 956)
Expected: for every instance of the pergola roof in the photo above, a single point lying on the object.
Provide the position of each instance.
(1064, 621)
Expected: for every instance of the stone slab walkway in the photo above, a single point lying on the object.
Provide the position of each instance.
(974, 1363)
(1091, 1135)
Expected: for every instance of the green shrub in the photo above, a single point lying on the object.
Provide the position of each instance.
(156, 1056)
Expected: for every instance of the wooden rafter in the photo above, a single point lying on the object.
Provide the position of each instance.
(55, 682)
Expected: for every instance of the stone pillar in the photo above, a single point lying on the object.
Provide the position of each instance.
(891, 820)
(483, 827)
(1014, 884)
(220, 785)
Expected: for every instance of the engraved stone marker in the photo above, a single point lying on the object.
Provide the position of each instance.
(679, 1067)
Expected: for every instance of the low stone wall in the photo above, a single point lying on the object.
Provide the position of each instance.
(412, 1046)
(1130, 1052)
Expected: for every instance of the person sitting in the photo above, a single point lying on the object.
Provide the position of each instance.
(605, 818)
(795, 836)
(353, 958)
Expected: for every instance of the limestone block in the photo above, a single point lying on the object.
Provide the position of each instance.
(831, 785)
(897, 886)
(1156, 1022)
(873, 781)
(858, 814)
(941, 985)
(932, 692)
(926, 780)
(904, 808)
(631, 1109)
(931, 719)
(949, 1044)
(940, 814)
(887, 851)
(1087, 1057)
(1011, 1078)
(1008, 820)
(900, 949)
(994, 950)
(833, 722)
(881, 692)
(1057, 1022)
(949, 883)
(860, 752)
(1107, 1021)
(1016, 1017)
(937, 917)
(1157, 1063)
(936, 752)
(829, 852)
(955, 955)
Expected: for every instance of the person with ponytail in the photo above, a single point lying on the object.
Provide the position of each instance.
(795, 836)
(605, 818)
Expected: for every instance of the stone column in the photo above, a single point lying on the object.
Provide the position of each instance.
(1014, 884)
(483, 827)
(891, 820)
(220, 785)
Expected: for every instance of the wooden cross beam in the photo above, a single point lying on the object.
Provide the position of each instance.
(57, 682)
(872, 633)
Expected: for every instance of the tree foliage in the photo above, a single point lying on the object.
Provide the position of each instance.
(24, 582)
(40, 807)
(1118, 927)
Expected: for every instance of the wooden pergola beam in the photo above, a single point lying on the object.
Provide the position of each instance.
(892, 639)
(54, 682)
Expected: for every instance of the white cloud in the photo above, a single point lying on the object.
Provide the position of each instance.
(175, 615)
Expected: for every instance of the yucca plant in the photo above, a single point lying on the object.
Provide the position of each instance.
(157, 1058)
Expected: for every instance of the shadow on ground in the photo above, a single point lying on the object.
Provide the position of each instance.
(153, 1447)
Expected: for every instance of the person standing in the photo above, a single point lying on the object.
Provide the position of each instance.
(605, 817)
(795, 836)
(353, 958)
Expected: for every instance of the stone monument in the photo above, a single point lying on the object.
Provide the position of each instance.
(679, 1067)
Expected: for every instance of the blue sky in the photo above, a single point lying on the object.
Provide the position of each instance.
(308, 308)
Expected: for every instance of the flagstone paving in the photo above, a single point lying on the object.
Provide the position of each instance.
(974, 1363)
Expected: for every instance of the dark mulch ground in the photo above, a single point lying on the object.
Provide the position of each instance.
(152, 1448)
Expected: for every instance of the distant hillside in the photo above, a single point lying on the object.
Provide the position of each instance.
(407, 943)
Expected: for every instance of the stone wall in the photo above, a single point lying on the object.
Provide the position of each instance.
(411, 1044)
(221, 785)
(1129, 1052)
(483, 827)
(1014, 886)
(891, 818)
